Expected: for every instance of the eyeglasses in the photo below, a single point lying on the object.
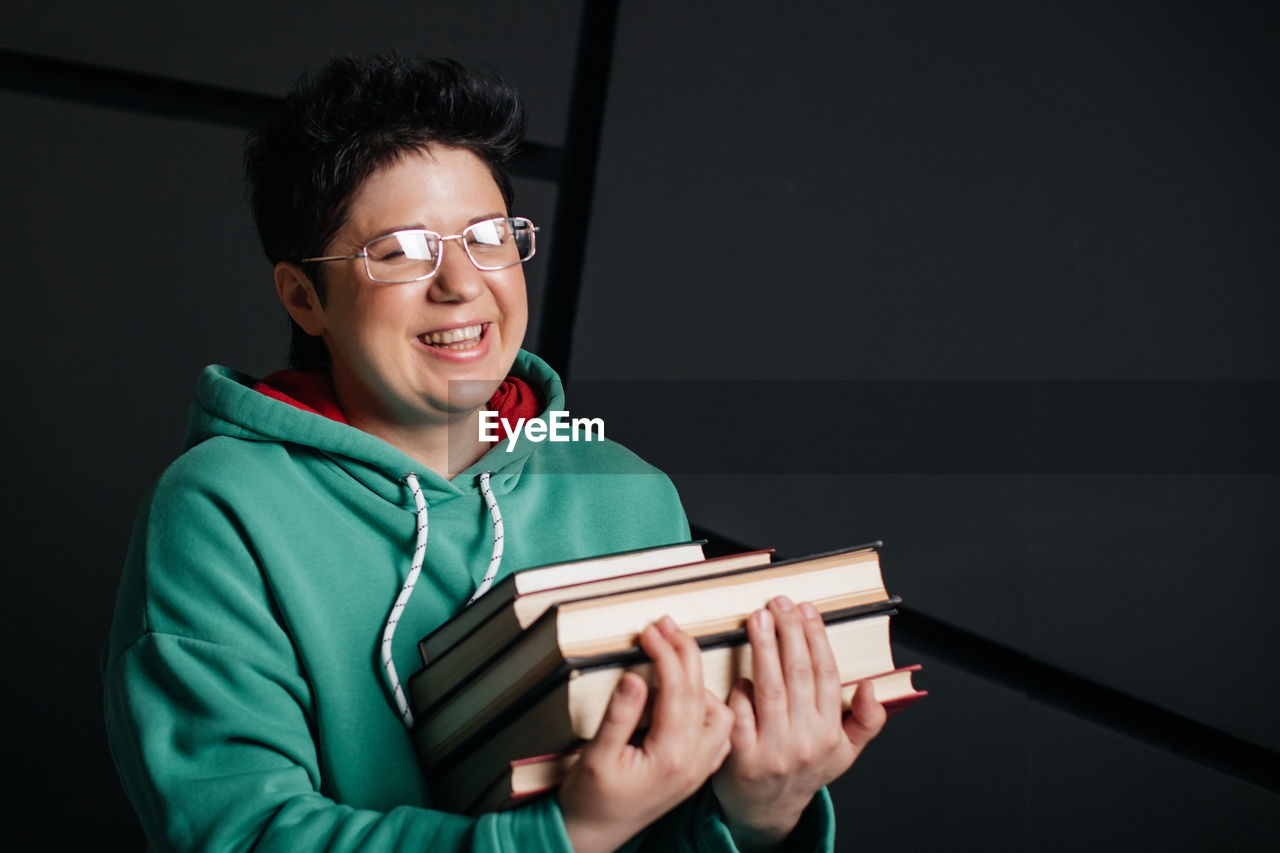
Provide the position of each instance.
(414, 254)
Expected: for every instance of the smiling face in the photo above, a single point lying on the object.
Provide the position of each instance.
(409, 356)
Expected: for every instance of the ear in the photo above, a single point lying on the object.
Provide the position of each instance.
(298, 295)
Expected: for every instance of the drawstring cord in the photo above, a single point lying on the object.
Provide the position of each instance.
(389, 630)
(496, 559)
(419, 553)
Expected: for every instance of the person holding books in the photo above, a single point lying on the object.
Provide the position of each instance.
(323, 519)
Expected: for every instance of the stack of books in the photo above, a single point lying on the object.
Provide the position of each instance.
(514, 684)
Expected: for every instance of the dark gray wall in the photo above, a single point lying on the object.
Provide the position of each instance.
(887, 194)
(133, 263)
(909, 202)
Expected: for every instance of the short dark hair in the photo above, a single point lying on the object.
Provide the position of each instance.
(350, 118)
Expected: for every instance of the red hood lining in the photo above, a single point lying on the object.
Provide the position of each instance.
(312, 391)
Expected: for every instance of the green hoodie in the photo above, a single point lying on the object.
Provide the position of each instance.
(245, 699)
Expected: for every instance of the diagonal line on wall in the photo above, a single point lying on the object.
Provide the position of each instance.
(1066, 691)
(165, 97)
(1082, 697)
(132, 91)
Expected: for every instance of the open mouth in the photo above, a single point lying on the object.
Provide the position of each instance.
(466, 337)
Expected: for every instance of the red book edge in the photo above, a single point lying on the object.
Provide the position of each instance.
(901, 703)
(534, 759)
(514, 799)
(895, 706)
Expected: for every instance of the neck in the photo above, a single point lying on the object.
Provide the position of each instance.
(444, 441)
(448, 447)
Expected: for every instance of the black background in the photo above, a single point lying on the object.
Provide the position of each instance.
(870, 234)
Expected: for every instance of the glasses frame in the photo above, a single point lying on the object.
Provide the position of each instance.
(364, 250)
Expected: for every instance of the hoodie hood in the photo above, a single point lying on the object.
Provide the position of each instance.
(226, 404)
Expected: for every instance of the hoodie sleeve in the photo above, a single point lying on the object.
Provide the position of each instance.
(697, 826)
(214, 756)
(210, 712)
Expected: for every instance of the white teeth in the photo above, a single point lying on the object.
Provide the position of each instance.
(464, 338)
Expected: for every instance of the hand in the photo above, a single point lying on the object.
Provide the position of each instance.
(788, 737)
(617, 789)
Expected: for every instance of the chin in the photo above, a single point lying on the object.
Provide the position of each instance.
(464, 396)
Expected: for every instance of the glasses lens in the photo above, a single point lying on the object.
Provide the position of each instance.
(403, 256)
(522, 231)
(499, 243)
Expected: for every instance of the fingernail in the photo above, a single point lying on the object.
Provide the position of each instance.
(784, 603)
(809, 611)
(668, 624)
(764, 620)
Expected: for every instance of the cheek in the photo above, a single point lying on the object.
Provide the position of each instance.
(373, 321)
(386, 307)
(515, 306)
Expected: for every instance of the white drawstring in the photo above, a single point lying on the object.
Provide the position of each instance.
(389, 630)
(496, 559)
(419, 553)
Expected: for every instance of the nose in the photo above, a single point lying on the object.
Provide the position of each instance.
(456, 279)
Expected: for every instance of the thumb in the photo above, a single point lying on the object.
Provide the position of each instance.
(866, 716)
(622, 714)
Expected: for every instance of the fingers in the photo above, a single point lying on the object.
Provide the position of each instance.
(617, 787)
(622, 715)
(793, 667)
(677, 667)
(826, 671)
(866, 716)
(769, 686)
(689, 733)
(797, 665)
